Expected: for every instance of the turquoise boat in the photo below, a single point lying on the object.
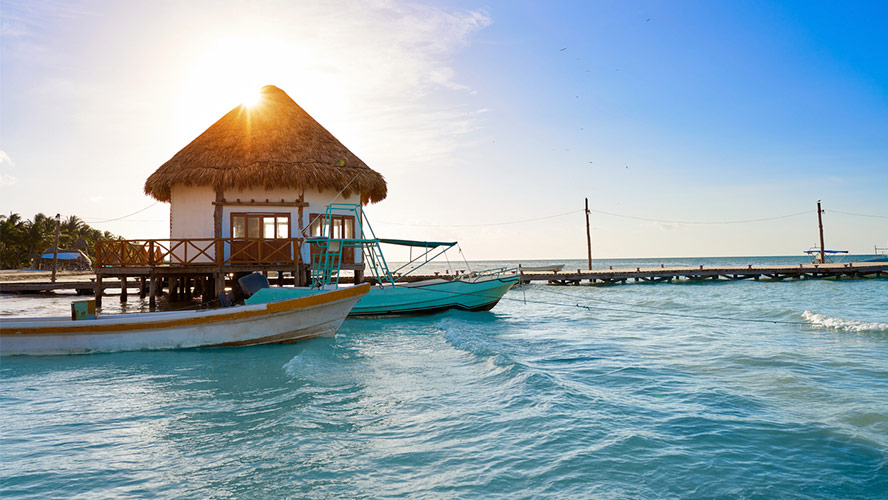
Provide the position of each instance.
(392, 293)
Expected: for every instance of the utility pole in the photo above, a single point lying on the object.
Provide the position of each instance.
(820, 225)
(588, 235)
(55, 252)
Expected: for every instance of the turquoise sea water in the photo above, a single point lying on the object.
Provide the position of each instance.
(694, 390)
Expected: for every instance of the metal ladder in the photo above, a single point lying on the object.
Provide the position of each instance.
(327, 263)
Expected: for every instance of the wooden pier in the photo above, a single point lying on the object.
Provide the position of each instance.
(850, 271)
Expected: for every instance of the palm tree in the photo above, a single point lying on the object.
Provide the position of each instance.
(20, 238)
(11, 229)
(70, 231)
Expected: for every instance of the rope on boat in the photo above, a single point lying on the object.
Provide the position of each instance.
(524, 300)
(308, 227)
(468, 268)
(664, 313)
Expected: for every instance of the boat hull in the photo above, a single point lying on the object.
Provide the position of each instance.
(412, 298)
(288, 321)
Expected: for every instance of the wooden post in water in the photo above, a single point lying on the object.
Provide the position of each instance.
(588, 235)
(55, 252)
(220, 283)
(99, 290)
(152, 292)
(820, 225)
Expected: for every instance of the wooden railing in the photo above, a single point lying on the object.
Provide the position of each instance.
(198, 251)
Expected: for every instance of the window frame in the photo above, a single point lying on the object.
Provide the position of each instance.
(281, 219)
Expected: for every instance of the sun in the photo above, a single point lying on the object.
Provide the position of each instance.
(251, 99)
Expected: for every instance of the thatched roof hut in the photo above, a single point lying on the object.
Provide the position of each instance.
(271, 145)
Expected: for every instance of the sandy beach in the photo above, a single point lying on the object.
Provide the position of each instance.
(15, 275)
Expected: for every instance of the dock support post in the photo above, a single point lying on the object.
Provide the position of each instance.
(174, 288)
(220, 283)
(99, 290)
(152, 292)
(142, 287)
(187, 282)
(123, 297)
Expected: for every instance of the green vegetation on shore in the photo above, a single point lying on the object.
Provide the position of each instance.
(21, 239)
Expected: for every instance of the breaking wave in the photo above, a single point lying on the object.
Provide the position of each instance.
(847, 325)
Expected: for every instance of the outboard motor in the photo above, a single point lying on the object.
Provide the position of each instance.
(225, 299)
(252, 283)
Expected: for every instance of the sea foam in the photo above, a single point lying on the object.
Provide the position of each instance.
(847, 325)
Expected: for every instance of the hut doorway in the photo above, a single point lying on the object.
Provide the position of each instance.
(341, 227)
(254, 235)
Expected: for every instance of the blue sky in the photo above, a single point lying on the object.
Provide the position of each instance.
(479, 114)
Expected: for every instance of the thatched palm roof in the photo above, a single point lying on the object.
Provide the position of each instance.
(271, 145)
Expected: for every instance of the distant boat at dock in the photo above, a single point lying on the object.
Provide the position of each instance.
(831, 256)
(554, 268)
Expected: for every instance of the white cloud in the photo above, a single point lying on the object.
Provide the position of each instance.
(668, 227)
(7, 180)
(5, 160)
(374, 73)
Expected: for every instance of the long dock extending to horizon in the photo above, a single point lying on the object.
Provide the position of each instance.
(848, 270)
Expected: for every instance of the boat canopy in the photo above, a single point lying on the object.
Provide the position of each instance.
(826, 251)
(415, 243)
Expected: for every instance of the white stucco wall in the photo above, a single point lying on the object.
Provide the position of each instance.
(191, 209)
(191, 212)
(191, 216)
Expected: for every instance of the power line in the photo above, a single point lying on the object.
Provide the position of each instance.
(123, 217)
(701, 222)
(859, 215)
(613, 214)
(481, 225)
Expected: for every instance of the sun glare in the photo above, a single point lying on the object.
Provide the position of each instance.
(210, 87)
(251, 99)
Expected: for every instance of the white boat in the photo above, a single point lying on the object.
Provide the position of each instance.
(831, 256)
(554, 268)
(392, 293)
(284, 322)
